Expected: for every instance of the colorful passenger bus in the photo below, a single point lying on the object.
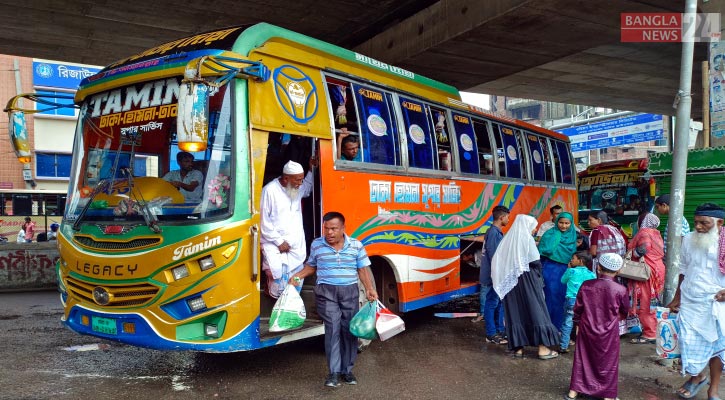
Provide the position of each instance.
(141, 265)
(45, 207)
(622, 188)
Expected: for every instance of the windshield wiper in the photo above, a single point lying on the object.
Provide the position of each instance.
(101, 187)
(150, 218)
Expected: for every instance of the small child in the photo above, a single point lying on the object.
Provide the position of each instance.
(600, 305)
(580, 270)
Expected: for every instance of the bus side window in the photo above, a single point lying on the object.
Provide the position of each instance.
(565, 163)
(485, 148)
(500, 151)
(342, 105)
(467, 148)
(511, 154)
(378, 134)
(537, 158)
(421, 145)
(443, 141)
(547, 159)
(523, 156)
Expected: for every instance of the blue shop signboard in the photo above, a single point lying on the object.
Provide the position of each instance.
(616, 132)
(62, 76)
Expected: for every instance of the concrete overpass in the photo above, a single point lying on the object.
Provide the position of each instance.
(558, 50)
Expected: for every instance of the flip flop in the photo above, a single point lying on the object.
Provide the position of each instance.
(548, 356)
(693, 388)
(643, 340)
(566, 397)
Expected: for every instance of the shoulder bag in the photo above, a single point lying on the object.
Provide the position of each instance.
(634, 270)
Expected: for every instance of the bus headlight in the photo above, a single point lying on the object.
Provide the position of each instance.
(180, 272)
(196, 304)
(206, 263)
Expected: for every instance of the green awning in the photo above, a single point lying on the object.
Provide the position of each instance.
(712, 158)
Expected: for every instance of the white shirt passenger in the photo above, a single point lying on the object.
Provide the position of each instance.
(702, 281)
(281, 220)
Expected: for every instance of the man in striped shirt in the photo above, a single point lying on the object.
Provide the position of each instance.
(339, 261)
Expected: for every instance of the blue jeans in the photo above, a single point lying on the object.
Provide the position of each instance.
(568, 323)
(492, 310)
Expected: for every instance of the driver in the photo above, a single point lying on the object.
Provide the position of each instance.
(187, 179)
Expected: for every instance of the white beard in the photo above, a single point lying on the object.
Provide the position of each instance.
(291, 191)
(706, 241)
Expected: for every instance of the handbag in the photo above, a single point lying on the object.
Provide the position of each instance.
(634, 270)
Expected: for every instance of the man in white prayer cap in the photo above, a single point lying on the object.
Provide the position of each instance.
(283, 237)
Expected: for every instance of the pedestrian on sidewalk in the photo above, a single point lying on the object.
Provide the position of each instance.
(662, 206)
(491, 306)
(600, 305)
(700, 300)
(516, 276)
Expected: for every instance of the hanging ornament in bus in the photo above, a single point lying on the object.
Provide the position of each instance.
(341, 112)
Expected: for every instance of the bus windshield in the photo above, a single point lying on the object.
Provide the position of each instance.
(617, 187)
(127, 162)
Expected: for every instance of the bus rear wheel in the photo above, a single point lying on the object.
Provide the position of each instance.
(385, 283)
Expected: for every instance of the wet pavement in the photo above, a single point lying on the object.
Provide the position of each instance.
(435, 358)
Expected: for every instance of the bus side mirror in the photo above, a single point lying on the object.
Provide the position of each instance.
(19, 135)
(192, 117)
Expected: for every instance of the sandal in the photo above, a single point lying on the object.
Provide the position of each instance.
(566, 397)
(692, 388)
(643, 340)
(548, 356)
(497, 339)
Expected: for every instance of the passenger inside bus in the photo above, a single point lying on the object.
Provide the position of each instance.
(348, 146)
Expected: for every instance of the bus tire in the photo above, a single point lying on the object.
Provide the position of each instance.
(385, 283)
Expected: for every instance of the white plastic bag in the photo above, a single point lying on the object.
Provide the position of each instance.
(387, 324)
(668, 332)
(288, 312)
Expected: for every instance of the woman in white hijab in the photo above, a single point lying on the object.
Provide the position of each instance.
(516, 275)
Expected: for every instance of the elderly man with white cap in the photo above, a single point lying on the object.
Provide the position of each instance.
(283, 235)
(700, 300)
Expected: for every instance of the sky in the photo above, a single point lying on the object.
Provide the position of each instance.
(477, 99)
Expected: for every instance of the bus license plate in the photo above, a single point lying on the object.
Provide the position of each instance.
(104, 325)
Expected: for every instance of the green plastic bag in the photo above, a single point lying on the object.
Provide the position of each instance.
(363, 323)
(288, 312)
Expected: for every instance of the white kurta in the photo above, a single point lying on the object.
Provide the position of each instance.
(281, 219)
(703, 279)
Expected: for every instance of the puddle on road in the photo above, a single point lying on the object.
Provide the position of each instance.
(178, 385)
(88, 347)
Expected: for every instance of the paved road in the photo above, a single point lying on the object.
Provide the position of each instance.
(434, 359)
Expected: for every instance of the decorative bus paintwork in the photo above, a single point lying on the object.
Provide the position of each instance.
(157, 272)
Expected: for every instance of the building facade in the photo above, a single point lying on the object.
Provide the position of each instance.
(50, 132)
